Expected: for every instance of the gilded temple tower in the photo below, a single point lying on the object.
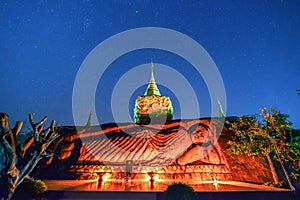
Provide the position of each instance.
(152, 107)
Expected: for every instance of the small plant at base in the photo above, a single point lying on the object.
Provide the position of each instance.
(279, 184)
(31, 188)
(179, 191)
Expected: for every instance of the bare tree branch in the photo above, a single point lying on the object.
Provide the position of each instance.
(22, 157)
(37, 128)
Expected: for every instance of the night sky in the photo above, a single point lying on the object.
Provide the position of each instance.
(255, 45)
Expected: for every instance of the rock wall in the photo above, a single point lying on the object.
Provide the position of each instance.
(187, 150)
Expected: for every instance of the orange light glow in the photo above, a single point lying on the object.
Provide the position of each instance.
(148, 178)
(215, 183)
(105, 177)
(156, 177)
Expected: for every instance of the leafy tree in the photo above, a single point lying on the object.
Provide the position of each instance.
(269, 132)
(250, 138)
(293, 148)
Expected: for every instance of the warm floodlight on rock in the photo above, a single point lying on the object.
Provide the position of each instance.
(215, 183)
(105, 177)
(151, 175)
(156, 178)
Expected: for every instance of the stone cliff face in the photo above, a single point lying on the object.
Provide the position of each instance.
(245, 168)
(187, 149)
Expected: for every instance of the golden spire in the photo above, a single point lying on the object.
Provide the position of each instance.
(152, 87)
(152, 80)
(88, 122)
(222, 114)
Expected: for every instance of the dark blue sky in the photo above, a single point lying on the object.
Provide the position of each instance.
(255, 45)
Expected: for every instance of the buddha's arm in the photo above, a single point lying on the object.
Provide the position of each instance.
(190, 156)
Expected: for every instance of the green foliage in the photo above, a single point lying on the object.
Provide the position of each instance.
(279, 184)
(31, 188)
(294, 175)
(294, 146)
(179, 191)
(249, 137)
(268, 132)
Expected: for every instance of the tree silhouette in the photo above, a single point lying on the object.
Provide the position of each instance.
(22, 155)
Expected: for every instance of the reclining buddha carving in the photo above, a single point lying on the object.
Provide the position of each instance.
(178, 143)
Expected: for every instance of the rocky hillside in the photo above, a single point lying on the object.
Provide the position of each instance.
(198, 147)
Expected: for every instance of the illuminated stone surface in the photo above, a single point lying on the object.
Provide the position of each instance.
(153, 145)
(176, 151)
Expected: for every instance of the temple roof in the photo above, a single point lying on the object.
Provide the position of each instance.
(152, 87)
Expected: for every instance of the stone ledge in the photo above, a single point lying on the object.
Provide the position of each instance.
(144, 169)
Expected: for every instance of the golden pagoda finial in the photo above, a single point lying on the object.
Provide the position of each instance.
(152, 80)
(152, 87)
(152, 65)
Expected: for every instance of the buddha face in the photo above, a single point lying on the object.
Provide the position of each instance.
(199, 135)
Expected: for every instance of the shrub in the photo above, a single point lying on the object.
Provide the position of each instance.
(31, 188)
(179, 191)
(279, 184)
